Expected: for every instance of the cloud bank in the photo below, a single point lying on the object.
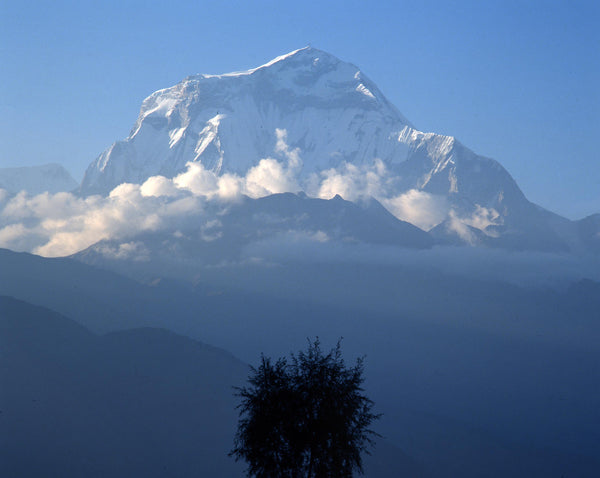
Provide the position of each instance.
(63, 223)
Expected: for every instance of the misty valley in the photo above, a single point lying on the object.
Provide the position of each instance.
(249, 212)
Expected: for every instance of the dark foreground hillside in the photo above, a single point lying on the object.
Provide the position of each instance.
(143, 402)
(136, 403)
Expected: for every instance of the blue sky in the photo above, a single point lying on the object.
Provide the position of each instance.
(516, 81)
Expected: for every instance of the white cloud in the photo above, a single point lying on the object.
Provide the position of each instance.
(483, 217)
(18, 237)
(198, 180)
(159, 186)
(230, 186)
(461, 228)
(62, 224)
(419, 208)
(480, 219)
(270, 177)
(292, 155)
(354, 182)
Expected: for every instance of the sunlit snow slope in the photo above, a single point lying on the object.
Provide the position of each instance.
(331, 111)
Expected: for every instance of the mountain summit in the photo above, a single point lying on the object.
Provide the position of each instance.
(329, 108)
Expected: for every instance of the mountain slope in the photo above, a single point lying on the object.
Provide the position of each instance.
(143, 402)
(100, 300)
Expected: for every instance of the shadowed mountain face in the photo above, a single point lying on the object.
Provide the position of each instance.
(227, 234)
(96, 298)
(137, 403)
(589, 230)
(143, 402)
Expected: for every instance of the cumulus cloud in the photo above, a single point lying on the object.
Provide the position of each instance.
(269, 176)
(292, 155)
(18, 237)
(353, 182)
(420, 208)
(198, 180)
(158, 186)
(63, 223)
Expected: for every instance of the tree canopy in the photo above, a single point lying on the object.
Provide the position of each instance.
(304, 417)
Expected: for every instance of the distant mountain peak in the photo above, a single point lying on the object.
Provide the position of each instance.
(50, 178)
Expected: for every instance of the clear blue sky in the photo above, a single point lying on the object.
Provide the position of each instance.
(514, 80)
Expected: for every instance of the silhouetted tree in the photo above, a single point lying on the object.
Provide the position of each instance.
(306, 417)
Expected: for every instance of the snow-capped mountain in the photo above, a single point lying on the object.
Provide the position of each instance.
(50, 178)
(333, 116)
(330, 110)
